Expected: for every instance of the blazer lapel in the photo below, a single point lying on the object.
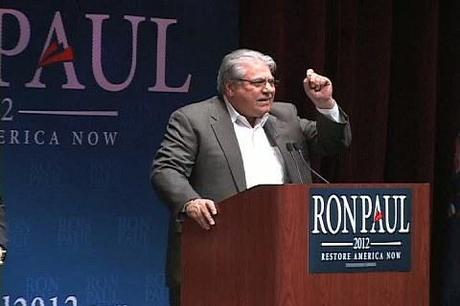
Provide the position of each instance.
(225, 134)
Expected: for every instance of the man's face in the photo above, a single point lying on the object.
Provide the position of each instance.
(252, 96)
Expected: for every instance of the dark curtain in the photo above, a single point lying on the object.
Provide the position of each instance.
(395, 69)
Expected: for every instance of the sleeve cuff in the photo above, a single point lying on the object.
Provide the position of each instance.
(331, 113)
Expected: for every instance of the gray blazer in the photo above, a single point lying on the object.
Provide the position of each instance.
(3, 234)
(200, 157)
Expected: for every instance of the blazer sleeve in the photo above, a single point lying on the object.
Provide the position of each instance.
(3, 234)
(325, 136)
(174, 161)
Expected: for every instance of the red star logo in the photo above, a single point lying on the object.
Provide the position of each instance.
(378, 216)
(54, 55)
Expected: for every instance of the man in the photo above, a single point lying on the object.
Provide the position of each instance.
(451, 258)
(454, 206)
(3, 237)
(223, 145)
(3, 244)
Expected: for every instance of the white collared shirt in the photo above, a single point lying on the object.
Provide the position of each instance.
(262, 162)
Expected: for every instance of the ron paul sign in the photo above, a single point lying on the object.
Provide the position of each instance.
(360, 229)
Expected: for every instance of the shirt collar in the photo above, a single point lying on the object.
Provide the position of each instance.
(240, 119)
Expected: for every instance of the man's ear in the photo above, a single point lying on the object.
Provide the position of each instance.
(229, 89)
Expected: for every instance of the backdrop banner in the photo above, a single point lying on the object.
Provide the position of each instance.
(86, 89)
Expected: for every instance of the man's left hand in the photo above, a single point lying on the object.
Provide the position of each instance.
(319, 89)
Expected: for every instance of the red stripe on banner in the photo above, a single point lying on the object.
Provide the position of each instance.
(50, 50)
(64, 56)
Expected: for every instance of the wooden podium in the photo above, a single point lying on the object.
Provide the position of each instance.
(257, 255)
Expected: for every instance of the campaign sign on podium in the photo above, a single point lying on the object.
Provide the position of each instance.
(360, 229)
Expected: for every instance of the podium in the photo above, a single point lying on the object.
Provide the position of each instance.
(258, 254)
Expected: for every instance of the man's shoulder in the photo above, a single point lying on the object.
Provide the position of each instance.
(197, 110)
(283, 109)
(283, 105)
(199, 106)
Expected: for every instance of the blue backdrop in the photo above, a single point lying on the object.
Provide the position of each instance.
(86, 89)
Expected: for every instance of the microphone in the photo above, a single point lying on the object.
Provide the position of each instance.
(298, 149)
(290, 148)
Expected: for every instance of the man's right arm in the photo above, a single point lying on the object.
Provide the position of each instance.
(171, 170)
(173, 163)
(3, 234)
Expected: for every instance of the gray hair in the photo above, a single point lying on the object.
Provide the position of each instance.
(231, 67)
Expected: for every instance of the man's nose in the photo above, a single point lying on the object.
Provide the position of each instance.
(268, 87)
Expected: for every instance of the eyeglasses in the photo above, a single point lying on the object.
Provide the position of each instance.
(259, 83)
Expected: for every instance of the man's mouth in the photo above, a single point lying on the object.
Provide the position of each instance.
(264, 100)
